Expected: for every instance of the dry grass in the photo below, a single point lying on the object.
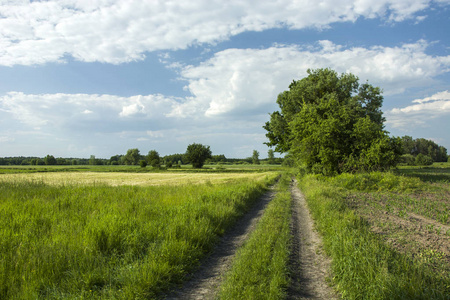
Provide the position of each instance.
(142, 179)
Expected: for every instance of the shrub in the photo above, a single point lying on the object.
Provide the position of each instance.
(408, 159)
(423, 160)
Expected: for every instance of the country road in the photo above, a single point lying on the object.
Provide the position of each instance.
(308, 267)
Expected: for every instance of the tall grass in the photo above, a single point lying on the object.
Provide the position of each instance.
(102, 242)
(260, 270)
(363, 266)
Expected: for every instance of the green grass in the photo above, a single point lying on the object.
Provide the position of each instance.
(102, 242)
(438, 172)
(363, 266)
(260, 269)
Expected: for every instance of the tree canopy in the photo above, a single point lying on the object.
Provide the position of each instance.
(132, 157)
(425, 147)
(255, 157)
(197, 154)
(153, 159)
(50, 160)
(331, 124)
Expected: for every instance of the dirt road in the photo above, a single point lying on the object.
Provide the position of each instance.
(309, 267)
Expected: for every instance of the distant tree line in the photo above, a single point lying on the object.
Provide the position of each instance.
(48, 160)
(421, 151)
(134, 157)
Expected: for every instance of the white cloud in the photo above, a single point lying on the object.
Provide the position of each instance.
(155, 134)
(242, 80)
(123, 30)
(231, 94)
(438, 97)
(63, 110)
(420, 111)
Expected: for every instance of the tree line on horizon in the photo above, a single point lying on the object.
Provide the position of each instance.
(134, 157)
(415, 152)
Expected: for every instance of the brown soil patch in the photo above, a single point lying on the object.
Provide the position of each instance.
(205, 283)
(309, 265)
(409, 232)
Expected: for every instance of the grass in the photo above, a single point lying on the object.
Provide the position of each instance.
(111, 242)
(87, 233)
(437, 173)
(260, 269)
(365, 264)
(247, 168)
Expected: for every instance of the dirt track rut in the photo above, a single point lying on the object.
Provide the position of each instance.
(309, 266)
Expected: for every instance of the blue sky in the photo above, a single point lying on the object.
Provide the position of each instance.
(98, 77)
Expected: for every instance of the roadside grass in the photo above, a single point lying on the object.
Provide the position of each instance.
(260, 270)
(103, 242)
(364, 264)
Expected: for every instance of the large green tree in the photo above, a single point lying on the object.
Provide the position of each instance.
(331, 124)
(197, 154)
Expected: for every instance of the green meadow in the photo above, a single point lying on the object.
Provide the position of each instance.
(91, 233)
(99, 241)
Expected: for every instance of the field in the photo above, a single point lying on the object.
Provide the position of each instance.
(245, 168)
(126, 233)
(138, 179)
(76, 235)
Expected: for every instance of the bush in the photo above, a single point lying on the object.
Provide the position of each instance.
(423, 160)
(142, 163)
(408, 159)
(153, 159)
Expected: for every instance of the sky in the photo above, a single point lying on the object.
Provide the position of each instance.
(98, 77)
